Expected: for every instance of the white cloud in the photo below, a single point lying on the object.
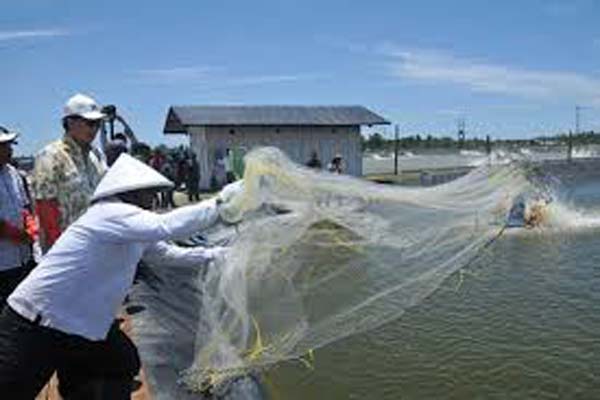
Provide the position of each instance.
(454, 113)
(266, 79)
(563, 8)
(31, 34)
(177, 74)
(436, 67)
(347, 45)
(529, 107)
(210, 76)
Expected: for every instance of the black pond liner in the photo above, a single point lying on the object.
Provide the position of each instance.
(165, 322)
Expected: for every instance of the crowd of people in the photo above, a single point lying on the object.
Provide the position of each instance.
(71, 238)
(335, 166)
(181, 167)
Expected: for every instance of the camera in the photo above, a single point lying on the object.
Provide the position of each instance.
(110, 111)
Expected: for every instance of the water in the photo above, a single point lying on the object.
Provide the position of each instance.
(407, 161)
(385, 164)
(523, 322)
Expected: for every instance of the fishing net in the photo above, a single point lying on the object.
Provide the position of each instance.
(319, 257)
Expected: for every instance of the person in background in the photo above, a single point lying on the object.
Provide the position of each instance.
(53, 319)
(183, 168)
(337, 164)
(68, 170)
(141, 151)
(218, 177)
(157, 160)
(18, 228)
(168, 170)
(193, 179)
(228, 163)
(114, 148)
(314, 161)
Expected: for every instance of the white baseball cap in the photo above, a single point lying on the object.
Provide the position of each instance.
(7, 136)
(83, 106)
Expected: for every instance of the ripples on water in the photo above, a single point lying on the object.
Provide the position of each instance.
(521, 323)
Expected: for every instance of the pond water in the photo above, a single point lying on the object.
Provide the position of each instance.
(523, 322)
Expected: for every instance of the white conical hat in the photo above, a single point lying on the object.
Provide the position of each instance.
(127, 174)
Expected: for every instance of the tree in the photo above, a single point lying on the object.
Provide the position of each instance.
(375, 142)
(428, 141)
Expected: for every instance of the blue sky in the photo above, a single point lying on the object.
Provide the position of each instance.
(510, 69)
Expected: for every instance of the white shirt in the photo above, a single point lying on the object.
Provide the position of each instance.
(82, 281)
(13, 200)
(228, 162)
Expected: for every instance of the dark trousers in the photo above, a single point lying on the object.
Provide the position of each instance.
(167, 200)
(193, 195)
(9, 280)
(29, 355)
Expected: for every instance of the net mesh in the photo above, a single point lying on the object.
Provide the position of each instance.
(319, 257)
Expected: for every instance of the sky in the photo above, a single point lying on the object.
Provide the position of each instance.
(510, 69)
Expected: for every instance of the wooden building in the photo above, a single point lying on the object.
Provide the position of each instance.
(297, 130)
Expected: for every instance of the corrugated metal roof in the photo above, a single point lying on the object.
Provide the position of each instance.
(181, 117)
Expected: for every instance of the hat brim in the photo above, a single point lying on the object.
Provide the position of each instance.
(93, 115)
(132, 188)
(8, 137)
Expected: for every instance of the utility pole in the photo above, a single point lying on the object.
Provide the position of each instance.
(396, 144)
(577, 110)
(570, 147)
(461, 132)
(577, 125)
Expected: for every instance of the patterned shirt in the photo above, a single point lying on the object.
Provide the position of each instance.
(66, 172)
(13, 200)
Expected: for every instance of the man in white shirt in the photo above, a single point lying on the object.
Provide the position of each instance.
(62, 313)
(228, 160)
(17, 223)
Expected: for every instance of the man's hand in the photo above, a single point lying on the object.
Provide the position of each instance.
(229, 192)
(30, 225)
(13, 233)
(228, 202)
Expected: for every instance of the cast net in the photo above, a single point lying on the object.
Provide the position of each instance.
(319, 257)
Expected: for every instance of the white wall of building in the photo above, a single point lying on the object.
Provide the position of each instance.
(298, 142)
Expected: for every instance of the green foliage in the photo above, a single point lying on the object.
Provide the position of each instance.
(377, 142)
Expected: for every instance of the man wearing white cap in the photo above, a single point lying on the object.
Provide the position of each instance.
(68, 170)
(17, 224)
(62, 313)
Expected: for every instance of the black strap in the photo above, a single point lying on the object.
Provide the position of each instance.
(31, 263)
(27, 193)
